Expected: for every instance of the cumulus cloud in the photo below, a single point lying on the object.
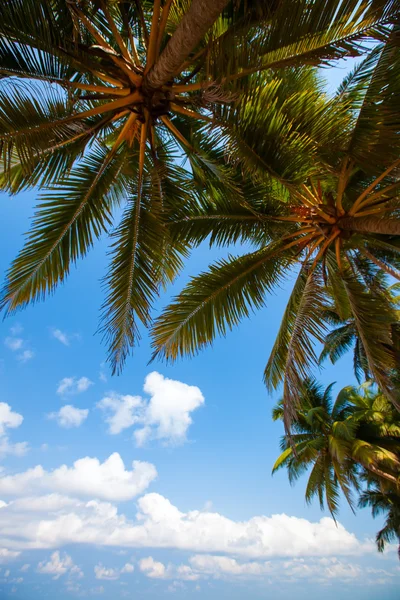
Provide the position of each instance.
(56, 520)
(73, 385)
(127, 568)
(87, 477)
(10, 420)
(104, 573)
(9, 449)
(111, 574)
(217, 565)
(8, 555)
(120, 411)
(166, 416)
(59, 565)
(69, 416)
(317, 570)
(152, 568)
(157, 570)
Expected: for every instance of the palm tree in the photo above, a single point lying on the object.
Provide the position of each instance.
(383, 503)
(99, 98)
(327, 211)
(339, 441)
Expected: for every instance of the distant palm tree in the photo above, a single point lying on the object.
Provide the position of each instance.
(338, 441)
(99, 98)
(325, 209)
(388, 504)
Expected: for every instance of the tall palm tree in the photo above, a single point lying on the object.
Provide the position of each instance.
(387, 503)
(340, 440)
(328, 214)
(99, 97)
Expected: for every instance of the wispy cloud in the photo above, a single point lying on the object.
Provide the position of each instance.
(69, 416)
(73, 385)
(10, 420)
(18, 344)
(25, 356)
(14, 343)
(63, 337)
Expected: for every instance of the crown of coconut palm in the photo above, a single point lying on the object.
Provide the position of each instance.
(323, 210)
(99, 98)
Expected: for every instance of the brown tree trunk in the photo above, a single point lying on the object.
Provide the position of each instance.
(200, 17)
(383, 226)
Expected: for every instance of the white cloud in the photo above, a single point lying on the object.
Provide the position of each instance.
(104, 573)
(166, 416)
(102, 375)
(7, 555)
(127, 568)
(317, 570)
(121, 411)
(16, 329)
(61, 336)
(9, 449)
(8, 418)
(88, 477)
(157, 570)
(73, 385)
(53, 521)
(111, 574)
(25, 356)
(69, 416)
(152, 568)
(217, 565)
(59, 565)
(25, 568)
(14, 343)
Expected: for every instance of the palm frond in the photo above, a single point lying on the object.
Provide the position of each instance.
(66, 224)
(217, 300)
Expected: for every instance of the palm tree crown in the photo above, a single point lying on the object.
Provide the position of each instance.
(98, 99)
(340, 440)
(324, 205)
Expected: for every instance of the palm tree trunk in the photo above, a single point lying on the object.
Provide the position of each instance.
(197, 21)
(385, 226)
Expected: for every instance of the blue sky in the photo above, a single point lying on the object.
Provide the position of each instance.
(156, 483)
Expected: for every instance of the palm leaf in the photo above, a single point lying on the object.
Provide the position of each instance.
(217, 300)
(65, 226)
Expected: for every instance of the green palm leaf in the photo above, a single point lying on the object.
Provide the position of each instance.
(218, 300)
(68, 221)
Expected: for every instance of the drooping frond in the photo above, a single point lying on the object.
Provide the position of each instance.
(219, 299)
(67, 222)
(293, 353)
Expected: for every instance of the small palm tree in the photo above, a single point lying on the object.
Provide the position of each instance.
(325, 209)
(99, 98)
(338, 441)
(387, 504)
